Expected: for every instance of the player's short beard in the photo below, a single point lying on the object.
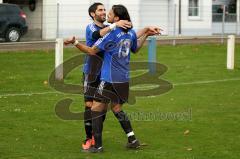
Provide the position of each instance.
(99, 19)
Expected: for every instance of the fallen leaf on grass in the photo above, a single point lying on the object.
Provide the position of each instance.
(186, 132)
(188, 148)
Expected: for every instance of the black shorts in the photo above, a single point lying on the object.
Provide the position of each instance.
(116, 93)
(90, 85)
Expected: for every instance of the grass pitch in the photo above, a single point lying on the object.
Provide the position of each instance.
(198, 119)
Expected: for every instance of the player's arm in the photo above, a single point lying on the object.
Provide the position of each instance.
(82, 47)
(153, 29)
(140, 42)
(149, 32)
(141, 32)
(122, 24)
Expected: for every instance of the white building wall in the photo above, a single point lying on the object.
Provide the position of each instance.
(238, 17)
(73, 18)
(134, 10)
(74, 15)
(173, 17)
(201, 25)
(171, 20)
(155, 13)
(49, 23)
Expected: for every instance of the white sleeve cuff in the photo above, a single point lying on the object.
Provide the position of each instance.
(75, 43)
(112, 26)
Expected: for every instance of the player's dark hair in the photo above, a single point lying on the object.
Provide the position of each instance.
(93, 8)
(121, 12)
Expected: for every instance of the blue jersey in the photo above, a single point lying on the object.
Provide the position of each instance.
(92, 64)
(117, 46)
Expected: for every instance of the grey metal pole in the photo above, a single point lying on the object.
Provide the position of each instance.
(236, 29)
(223, 23)
(180, 18)
(174, 24)
(57, 33)
(238, 17)
(42, 14)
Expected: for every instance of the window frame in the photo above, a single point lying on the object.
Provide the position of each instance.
(192, 17)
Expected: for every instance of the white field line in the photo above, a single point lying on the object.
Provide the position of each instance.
(206, 82)
(187, 83)
(136, 87)
(28, 94)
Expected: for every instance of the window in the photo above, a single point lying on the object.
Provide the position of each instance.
(193, 8)
(230, 11)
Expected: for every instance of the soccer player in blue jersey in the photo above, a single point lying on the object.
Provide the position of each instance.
(93, 64)
(114, 86)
